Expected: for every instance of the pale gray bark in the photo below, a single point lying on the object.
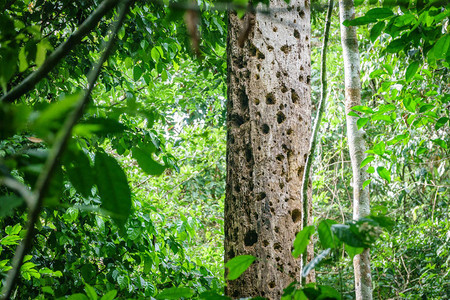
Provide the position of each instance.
(269, 120)
(356, 143)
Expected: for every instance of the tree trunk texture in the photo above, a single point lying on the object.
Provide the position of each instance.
(269, 120)
(356, 143)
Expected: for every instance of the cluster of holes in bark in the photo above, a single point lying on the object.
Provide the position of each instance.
(243, 98)
(289, 131)
(284, 89)
(265, 128)
(255, 52)
(296, 34)
(271, 284)
(256, 101)
(286, 49)
(280, 157)
(270, 48)
(270, 99)
(280, 117)
(301, 12)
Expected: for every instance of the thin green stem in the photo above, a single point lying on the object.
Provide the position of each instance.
(314, 139)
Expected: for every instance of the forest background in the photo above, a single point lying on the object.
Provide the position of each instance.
(155, 127)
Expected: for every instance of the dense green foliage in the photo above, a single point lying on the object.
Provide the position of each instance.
(134, 208)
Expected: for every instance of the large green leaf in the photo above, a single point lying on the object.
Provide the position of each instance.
(384, 173)
(346, 235)
(8, 203)
(237, 265)
(302, 240)
(80, 172)
(352, 251)
(380, 13)
(175, 293)
(113, 187)
(146, 162)
(411, 70)
(326, 235)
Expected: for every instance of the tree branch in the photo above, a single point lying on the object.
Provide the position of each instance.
(53, 59)
(65, 133)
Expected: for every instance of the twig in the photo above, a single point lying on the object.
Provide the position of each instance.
(45, 177)
(321, 109)
(53, 59)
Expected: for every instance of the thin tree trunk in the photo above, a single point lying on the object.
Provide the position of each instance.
(306, 186)
(356, 143)
(269, 119)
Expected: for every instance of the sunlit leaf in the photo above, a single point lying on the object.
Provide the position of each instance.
(411, 70)
(302, 240)
(326, 235)
(384, 173)
(237, 265)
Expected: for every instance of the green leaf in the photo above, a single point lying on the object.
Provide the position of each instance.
(440, 123)
(210, 295)
(376, 31)
(8, 204)
(385, 108)
(360, 21)
(98, 126)
(52, 118)
(146, 162)
(326, 235)
(361, 122)
(395, 46)
(440, 142)
(366, 183)
(370, 170)
(137, 73)
(113, 187)
(315, 261)
(109, 295)
(353, 251)
(363, 109)
(410, 104)
(384, 173)
(346, 235)
(440, 49)
(367, 160)
(411, 70)
(380, 13)
(80, 172)
(155, 54)
(175, 293)
(237, 265)
(379, 148)
(41, 51)
(77, 297)
(302, 240)
(353, 114)
(90, 292)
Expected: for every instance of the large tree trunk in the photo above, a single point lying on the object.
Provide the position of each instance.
(356, 143)
(269, 120)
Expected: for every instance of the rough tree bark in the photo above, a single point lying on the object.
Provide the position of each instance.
(269, 120)
(356, 143)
